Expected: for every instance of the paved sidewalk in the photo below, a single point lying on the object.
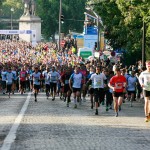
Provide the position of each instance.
(50, 125)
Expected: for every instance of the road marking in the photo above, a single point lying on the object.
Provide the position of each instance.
(12, 133)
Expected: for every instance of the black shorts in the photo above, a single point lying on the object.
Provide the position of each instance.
(66, 88)
(131, 92)
(76, 90)
(146, 93)
(9, 87)
(53, 86)
(14, 81)
(37, 87)
(91, 91)
(118, 94)
(22, 84)
(99, 95)
(31, 82)
(48, 87)
(4, 84)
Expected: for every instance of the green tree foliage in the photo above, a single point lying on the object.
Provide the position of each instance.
(8, 4)
(73, 11)
(123, 23)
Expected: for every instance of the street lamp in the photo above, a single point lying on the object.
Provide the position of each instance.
(60, 14)
(98, 26)
(12, 10)
(143, 44)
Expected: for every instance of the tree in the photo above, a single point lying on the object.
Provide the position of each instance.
(123, 22)
(48, 10)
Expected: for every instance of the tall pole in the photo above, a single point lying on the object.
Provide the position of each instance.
(143, 44)
(98, 33)
(60, 11)
(11, 21)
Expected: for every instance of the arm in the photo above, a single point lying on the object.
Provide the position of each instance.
(141, 79)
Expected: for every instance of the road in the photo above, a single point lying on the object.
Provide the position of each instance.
(50, 125)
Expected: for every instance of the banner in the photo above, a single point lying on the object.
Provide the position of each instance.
(12, 32)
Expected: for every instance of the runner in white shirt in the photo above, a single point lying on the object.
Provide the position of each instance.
(75, 85)
(144, 80)
(99, 82)
(47, 81)
(3, 75)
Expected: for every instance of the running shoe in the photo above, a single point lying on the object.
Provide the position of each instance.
(103, 103)
(80, 101)
(107, 109)
(116, 115)
(75, 106)
(84, 100)
(119, 108)
(96, 113)
(147, 119)
(53, 99)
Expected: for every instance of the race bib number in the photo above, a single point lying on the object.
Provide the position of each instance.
(22, 75)
(148, 84)
(119, 85)
(98, 83)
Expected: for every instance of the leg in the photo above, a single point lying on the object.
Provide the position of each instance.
(116, 105)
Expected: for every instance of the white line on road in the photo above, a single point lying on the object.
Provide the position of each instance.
(12, 133)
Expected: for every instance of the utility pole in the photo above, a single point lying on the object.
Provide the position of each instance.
(143, 44)
(98, 33)
(60, 12)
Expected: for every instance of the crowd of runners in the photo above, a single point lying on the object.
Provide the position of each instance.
(43, 68)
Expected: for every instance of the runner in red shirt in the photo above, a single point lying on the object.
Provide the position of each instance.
(117, 84)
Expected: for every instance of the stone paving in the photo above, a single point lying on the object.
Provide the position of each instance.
(50, 125)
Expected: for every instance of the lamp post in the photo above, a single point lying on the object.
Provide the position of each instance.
(98, 26)
(60, 12)
(143, 44)
(11, 19)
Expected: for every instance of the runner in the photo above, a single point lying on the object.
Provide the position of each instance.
(54, 76)
(14, 71)
(9, 81)
(144, 80)
(118, 84)
(75, 82)
(23, 76)
(99, 82)
(65, 84)
(36, 81)
(3, 75)
(131, 87)
(91, 86)
(47, 81)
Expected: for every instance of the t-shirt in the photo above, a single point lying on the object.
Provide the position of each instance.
(54, 76)
(98, 80)
(46, 78)
(36, 78)
(23, 75)
(118, 82)
(76, 78)
(131, 83)
(144, 79)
